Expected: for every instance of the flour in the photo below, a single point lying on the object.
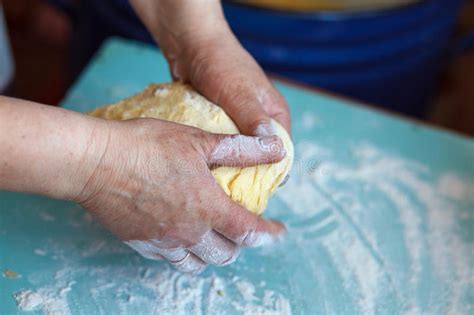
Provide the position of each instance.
(28, 300)
(46, 216)
(353, 196)
(308, 120)
(50, 301)
(157, 289)
(247, 290)
(378, 234)
(40, 252)
(455, 187)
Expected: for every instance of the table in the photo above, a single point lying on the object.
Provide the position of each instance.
(380, 214)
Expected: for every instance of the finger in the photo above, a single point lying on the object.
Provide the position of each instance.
(151, 255)
(180, 258)
(244, 227)
(252, 104)
(189, 264)
(155, 248)
(239, 98)
(243, 151)
(215, 249)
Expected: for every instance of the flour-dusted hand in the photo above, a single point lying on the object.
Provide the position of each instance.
(153, 188)
(201, 49)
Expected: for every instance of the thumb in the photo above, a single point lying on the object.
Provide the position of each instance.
(242, 151)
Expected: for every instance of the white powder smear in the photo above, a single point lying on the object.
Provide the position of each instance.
(455, 187)
(50, 301)
(427, 268)
(136, 285)
(46, 216)
(247, 290)
(28, 300)
(40, 252)
(308, 120)
(369, 232)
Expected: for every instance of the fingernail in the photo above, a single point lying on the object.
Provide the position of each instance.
(272, 144)
(265, 129)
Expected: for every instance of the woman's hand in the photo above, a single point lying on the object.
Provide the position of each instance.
(152, 187)
(201, 49)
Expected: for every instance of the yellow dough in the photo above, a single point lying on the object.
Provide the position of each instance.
(251, 186)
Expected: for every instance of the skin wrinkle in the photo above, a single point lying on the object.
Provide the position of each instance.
(79, 196)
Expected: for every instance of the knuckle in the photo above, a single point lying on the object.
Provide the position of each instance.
(189, 264)
(248, 238)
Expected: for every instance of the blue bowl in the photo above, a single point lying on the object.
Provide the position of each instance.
(333, 27)
(389, 57)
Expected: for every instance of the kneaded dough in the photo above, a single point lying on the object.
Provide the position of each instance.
(251, 186)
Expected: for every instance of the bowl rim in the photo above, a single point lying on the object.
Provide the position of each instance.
(336, 15)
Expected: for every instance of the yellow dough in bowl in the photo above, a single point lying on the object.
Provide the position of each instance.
(251, 186)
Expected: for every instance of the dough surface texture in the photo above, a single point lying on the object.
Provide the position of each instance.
(251, 186)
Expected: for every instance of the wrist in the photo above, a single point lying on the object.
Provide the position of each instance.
(47, 150)
(91, 156)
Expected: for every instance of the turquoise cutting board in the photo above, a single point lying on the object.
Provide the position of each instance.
(379, 210)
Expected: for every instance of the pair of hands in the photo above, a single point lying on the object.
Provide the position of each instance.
(168, 208)
(147, 180)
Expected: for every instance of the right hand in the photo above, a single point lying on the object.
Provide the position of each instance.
(202, 50)
(153, 188)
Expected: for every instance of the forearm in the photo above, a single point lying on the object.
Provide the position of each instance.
(181, 23)
(47, 150)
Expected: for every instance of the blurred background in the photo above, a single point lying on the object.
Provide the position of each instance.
(415, 58)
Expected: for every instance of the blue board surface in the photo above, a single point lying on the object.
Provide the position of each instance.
(379, 210)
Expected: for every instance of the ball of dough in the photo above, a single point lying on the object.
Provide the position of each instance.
(251, 186)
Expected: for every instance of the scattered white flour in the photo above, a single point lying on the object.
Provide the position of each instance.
(381, 234)
(50, 301)
(40, 252)
(143, 287)
(246, 289)
(308, 120)
(45, 216)
(28, 300)
(431, 270)
(455, 187)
